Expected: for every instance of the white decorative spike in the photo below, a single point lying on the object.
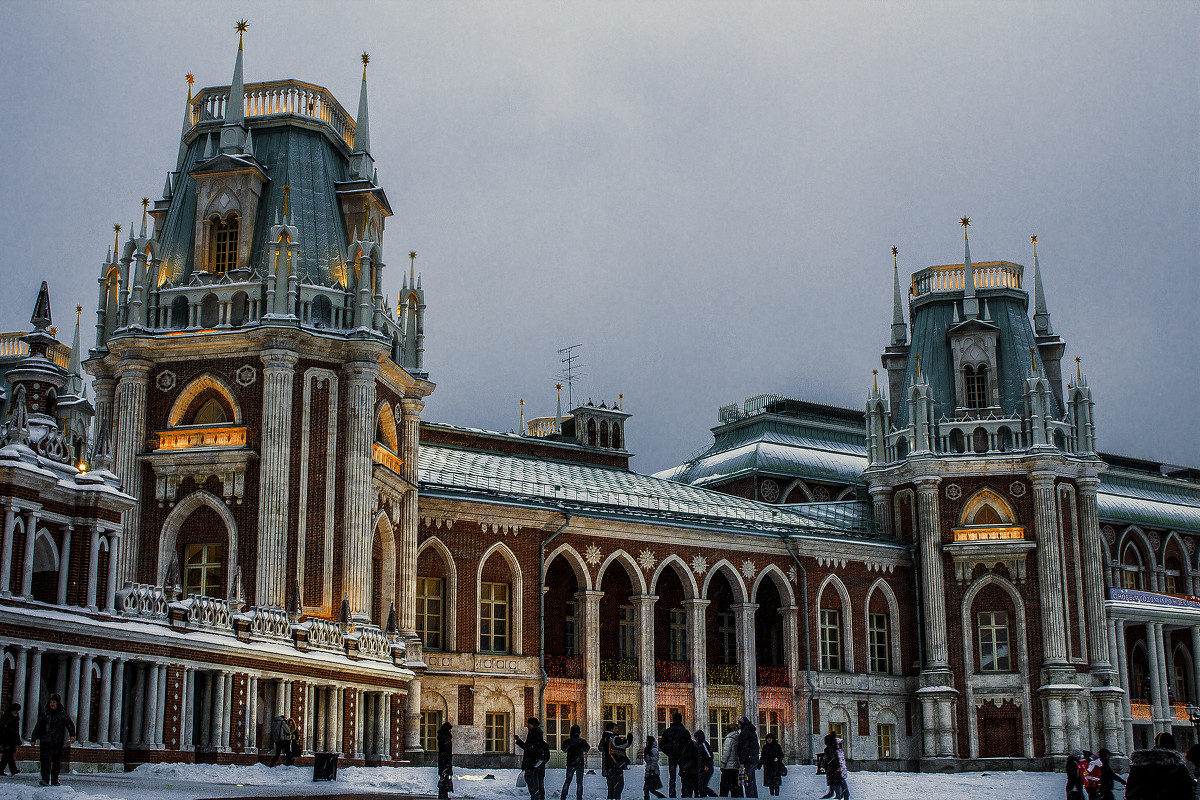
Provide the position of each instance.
(167, 187)
(250, 143)
(208, 147)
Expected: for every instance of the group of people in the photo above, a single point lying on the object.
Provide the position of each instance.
(54, 731)
(832, 762)
(285, 735)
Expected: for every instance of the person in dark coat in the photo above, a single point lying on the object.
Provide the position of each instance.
(1159, 773)
(653, 779)
(1107, 776)
(704, 762)
(53, 729)
(689, 768)
(10, 737)
(829, 765)
(535, 754)
(674, 739)
(748, 754)
(772, 761)
(576, 748)
(1074, 782)
(445, 762)
(613, 759)
(281, 736)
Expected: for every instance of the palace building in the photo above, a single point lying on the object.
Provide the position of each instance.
(251, 518)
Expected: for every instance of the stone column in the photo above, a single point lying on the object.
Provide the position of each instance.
(279, 367)
(31, 523)
(791, 656)
(105, 704)
(1164, 658)
(698, 647)
(6, 551)
(71, 696)
(1118, 655)
(219, 723)
(20, 668)
(932, 581)
(129, 434)
(150, 708)
(1049, 559)
(118, 702)
(1056, 735)
(593, 715)
(881, 500)
(412, 727)
(160, 707)
(187, 732)
(33, 688)
(93, 578)
(83, 722)
(226, 710)
(1093, 572)
(110, 588)
(747, 657)
(359, 533)
(386, 722)
(410, 431)
(644, 605)
(251, 742)
(1153, 644)
(64, 565)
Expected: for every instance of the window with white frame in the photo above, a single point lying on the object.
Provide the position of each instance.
(493, 617)
(885, 735)
(202, 570)
(831, 640)
(993, 642)
(429, 612)
(619, 715)
(626, 630)
(877, 642)
(430, 722)
(495, 733)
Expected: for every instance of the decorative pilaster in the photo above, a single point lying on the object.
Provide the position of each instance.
(359, 497)
(932, 580)
(1093, 572)
(118, 701)
(64, 564)
(747, 652)
(593, 711)
(797, 747)
(83, 721)
(410, 430)
(270, 586)
(1049, 558)
(881, 498)
(698, 646)
(644, 607)
(105, 704)
(33, 688)
(412, 718)
(129, 434)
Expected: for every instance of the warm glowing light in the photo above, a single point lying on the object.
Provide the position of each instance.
(83, 466)
(987, 534)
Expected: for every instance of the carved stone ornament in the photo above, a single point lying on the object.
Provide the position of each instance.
(769, 490)
(748, 568)
(792, 574)
(165, 381)
(245, 375)
(1016, 489)
(646, 559)
(1110, 535)
(1155, 542)
(699, 564)
(592, 555)
(821, 494)
(1190, 544)
(953, 491)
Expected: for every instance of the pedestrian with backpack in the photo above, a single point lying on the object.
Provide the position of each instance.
(613, 759)
(576, 748)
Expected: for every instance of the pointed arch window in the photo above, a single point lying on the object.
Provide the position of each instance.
(225, 245)
(1133, 575)
(211, 412)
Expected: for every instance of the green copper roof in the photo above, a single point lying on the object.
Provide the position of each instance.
(1127, 498)
(932, 319)
(306, 160)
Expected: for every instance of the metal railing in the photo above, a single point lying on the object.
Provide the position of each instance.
(570, 667)
(619, 669)
(988, 275)
(12, 346)
(277, 97)
(672, 672)
(773, 676)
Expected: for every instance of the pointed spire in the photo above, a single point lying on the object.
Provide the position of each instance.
(362, 132)
(970, 303)
(208, 146)
(145, 206)
(187, 123)
(987, 314)
(412, 267)
(250, 143)
(167, 188)
(393, 625)
(235, 111)
(41, 309)
(75, 366)
(116, 242)
(899, 330)
(558, 414)
(1041, 317)
(344, 611)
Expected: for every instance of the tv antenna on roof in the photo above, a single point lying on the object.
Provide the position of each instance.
(570, 372)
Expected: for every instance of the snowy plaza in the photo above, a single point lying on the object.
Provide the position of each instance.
(193, 782)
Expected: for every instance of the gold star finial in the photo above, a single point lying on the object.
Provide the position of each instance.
(412, 269)
(242, 25)
(1034, 240)
(895, 250)
(366, 59)
(116, 240)
(79, 310)
(190, 78)
(145, 203)
(558, 386)
(53, 330)
(965, 222)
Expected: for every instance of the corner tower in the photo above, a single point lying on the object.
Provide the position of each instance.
(980, 462)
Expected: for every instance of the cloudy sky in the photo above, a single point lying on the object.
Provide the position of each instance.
(703, 195)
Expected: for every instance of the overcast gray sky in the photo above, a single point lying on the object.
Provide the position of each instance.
(704, 195)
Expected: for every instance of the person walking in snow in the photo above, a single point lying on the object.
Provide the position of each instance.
(445, 761)
(828, 763)
(689, 768)
(1159, 773)
(704, 762)
(53, 728)
(748, 755)
(576, 748)
(729, 764)
(773, 768)
(533, 759)
(281, 740)
(674, 739)
(1107, 776)
(653, 780)
(843, 771)
(613, 759)
(10, 737)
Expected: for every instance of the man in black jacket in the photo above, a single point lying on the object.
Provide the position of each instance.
(576, 748)
(52, 730)
(10, 737)
(614, 760)
(748, 755)
(533, 759)
(1159, 773)
(445, 763)
(673, 741)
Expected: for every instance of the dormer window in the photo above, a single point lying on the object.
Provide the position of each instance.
(975, 383)
(225, 245)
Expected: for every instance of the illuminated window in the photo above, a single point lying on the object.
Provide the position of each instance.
(618, 715)
(720, 720)
(831, 640)
(495, 733)
(993, 641)
(987, 516)
(202, 570)
(430, 722)
(429, 612)
(625, 632)
(1171, 576)
(225, 245)
(665, 714)
(975, 383)
(1132, 576)
(558, 724)
(884, 736)
(768, 722)
(493, 618)
(678, 634)
(877, 644)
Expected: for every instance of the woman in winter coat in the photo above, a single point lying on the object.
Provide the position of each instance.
(748, 754)
(653, 781)
(10, 737)
(829, 765)
(1074, 782)
(445, 762)
(704, 763)
(843, 772)
(729, 764)
(772, 762)
(1159, 773)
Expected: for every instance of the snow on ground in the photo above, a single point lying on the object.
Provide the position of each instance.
(193, 781)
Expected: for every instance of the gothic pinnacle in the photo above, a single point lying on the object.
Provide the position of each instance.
(970, 303)
(899, 331)
(1041, 316)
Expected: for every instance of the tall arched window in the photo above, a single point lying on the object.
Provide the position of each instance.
(975, 384)
(1133, 575)
(225, 245)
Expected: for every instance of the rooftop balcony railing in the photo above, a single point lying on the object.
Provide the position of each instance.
(12, 346)
(988, 275)
(276, 98)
